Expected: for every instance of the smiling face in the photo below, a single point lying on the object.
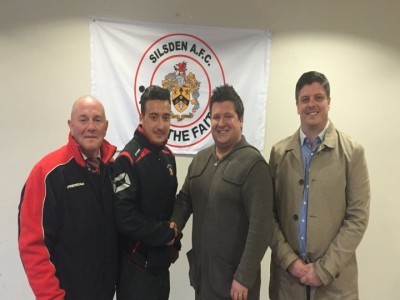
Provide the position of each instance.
(88, 125)
(313, 107)
(156, 121)
(226, 126)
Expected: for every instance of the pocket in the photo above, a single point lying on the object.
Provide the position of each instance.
(136, 259)
(221, 276)
(192, 268)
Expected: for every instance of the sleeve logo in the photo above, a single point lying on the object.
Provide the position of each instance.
(121, 182)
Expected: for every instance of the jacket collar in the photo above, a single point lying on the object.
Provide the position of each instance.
(144, 140)
(107, 151)
(293, 142)
(240, 145)
(330, 136)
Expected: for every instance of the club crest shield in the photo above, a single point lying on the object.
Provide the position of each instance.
(189, 69)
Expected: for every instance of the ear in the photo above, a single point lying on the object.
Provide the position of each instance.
(105, 131)
(241, 122)
(141, 118)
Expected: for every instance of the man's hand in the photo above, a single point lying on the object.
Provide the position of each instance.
(311, 278)
(238, 291)
(173, 226)
(298, 268)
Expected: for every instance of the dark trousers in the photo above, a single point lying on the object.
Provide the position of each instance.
(136, 283)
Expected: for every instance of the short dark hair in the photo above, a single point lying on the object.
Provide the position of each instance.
(309, 78)
(153, 92)
(226, 92)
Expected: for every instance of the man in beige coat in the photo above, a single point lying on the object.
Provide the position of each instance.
(322, 197)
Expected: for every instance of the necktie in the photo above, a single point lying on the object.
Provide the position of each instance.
(93, 165)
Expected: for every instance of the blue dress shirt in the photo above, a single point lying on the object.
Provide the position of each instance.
(307, 154)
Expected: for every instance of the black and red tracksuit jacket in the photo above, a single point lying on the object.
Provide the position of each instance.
(145, 185)
(67, 237)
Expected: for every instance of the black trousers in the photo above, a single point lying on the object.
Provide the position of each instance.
(137, 283)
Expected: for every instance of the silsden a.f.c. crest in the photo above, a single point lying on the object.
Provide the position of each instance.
(184, 89)
(189, 69)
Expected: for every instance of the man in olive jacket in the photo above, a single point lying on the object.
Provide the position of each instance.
(322, 197)
(229, 191)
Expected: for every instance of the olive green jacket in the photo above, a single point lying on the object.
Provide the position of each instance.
(231, 202)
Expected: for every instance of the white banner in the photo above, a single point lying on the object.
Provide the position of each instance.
(188, 60)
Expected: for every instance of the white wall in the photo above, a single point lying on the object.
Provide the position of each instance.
(44, 67)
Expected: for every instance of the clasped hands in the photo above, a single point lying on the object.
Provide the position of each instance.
(305, 273)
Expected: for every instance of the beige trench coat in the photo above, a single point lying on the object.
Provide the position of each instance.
(338, 212)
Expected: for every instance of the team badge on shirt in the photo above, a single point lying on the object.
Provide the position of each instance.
(121, 182)
(170, 170)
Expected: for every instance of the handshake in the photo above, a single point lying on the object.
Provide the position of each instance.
(178, 235)
(175, 242)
